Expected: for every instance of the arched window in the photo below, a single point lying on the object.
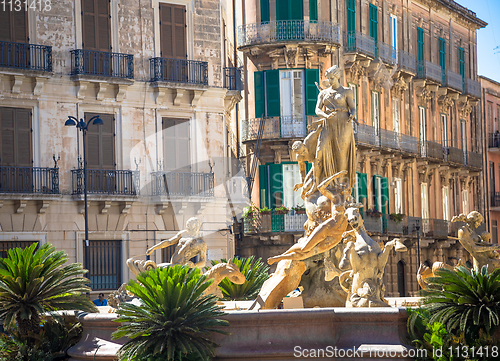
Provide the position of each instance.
(401, 279)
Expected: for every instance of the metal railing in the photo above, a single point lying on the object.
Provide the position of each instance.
(472, 88)
(102, 63)
(474, 160)
(409, 144)
(494, 140)
(104, 264)
(456, 155)
(366, 135)
(182, 184)
(435, 228)
(356, 42)
(431, 71)
(232, 79)
(104, 181)
(407, 62)
(494, 199)
(453, 80)
(25, 56)
(179, 71)
(434, 150)
(6, 245)
(387, 53)
(29, 180)
(277, 127)
(392, 226)
(390, 139)
(288, 30)
(274, 222)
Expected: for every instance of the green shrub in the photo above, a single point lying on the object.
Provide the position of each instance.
(256, 273)
(174, 319)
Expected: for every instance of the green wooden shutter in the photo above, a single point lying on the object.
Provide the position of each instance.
(362, 186)
(308, 166)
(385, 194)
(420, 45)
(296, 10)
(351, 16)
(313, 10)
(273, 93)
(276, 181)
(374, 26)
(312, 76)
(264, 11)
(260, 108)
(263, 189)
(282, 10)
(461, 66)
(442, 54)
(289, 10)
(23, 138)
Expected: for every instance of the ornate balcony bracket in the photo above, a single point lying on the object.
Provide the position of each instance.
(101, 90)
(43, 206)
(38, 85)
(20, 205)
(400, 85)
(446, 101)
(104, 207)
(125, 207)
(121, 89)
(162, 207)
(81, 87)
(17, 82)
(464, 109)
(178, 96)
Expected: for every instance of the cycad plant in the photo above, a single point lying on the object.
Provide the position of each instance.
(174, 319)
(256, 273)
(34, 281)
(466, 302)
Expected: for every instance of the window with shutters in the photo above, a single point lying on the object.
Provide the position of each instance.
(375, 112)
(423, 130)
(101, 142)
(292, 93)
(176, 145)
(444, 130)
(374, 26)
(173, 31)
(398, 195)
(394, 33)
(96, 25)
(104, 264)
(264, 11)
(351, 20)
(446, 203)
(14, 29)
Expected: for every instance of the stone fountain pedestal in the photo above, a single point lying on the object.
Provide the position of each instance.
(375, 333)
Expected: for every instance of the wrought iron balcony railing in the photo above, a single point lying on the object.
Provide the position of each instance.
(390, 139)
(182, 184)
(356, 42)
(32, 180)
(366, 135)
(433, 150)
(102, 63)
(474, 160)
(494, 140)
(431, 71)
(25, 56)
(179, 71)
(274, 222)
(277, 127)
(409, 144)
(387, 53)
(286, 31)
(472, 88)
(456, 155)
(494, 199)
(104, 181)
(407, 62)
(453, 80)
(232, 79)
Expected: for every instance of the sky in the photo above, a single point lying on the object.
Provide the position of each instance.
(488, 38)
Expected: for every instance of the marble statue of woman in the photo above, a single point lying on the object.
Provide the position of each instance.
(335, 149)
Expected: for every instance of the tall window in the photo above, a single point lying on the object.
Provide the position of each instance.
(354, 89)
(398, 195)
(374, 26)
(15, 137)
(394, 36)
(401, 279)
(101, 142)
(446, 203)
(380, 193)
(465, 201)
(173, 31)
(105, 265)
(14, 25)
(291, 176)
(292, 93)
(461, 64)
(424, 200)
(442, 54)
(444, 130)
(351, 16)
(492, 181)
(96, 25)
(420, 51)
(423, 130)
(176, 139)
(264, 11)
(376, 112)
(463, 132)
(396, 119)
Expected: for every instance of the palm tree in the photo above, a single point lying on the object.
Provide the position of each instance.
(34, 281)
(256, 273)
(466, 302)
(174, 319)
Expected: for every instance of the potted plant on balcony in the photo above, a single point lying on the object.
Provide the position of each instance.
(397, 217)
(265, 210)
(281, 210)
(373, 213)
(299, 210)
(248, 212)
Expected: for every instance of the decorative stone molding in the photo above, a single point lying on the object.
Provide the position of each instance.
(101, 90)
(43, 206)
(105, 206)
(400, 86)
(17, 82)
(121, 89)
(291, 53)
(125, 207)
(20, 205)
(465, 109)
(446, 102)
(357, 70)
(424, 95)
(38, 85)
(81, 87)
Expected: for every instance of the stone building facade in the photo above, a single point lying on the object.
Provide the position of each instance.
(162, 77)
(490, 107)
(412, 65)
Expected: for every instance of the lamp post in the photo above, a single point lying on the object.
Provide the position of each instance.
(417, 229)
(83, 127)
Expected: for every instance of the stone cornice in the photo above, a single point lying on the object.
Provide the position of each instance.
(466, 14)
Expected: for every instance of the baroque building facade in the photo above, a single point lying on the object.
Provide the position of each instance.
(162, 77)
(412, 65)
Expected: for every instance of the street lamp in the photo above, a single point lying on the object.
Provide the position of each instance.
(83, 127)
(417, 229)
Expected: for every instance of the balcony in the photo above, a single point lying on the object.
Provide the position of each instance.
(274, 222)
(434, 151)
(475, 160)
(435, 228)
(101, 63)
(387, 53)
(430, 71)
(494, 142)
(472, 88)
(407, 62)
(390, 139)
(282, 31)
(366, 135)
(182, 184)
(29, 180)
(456, 156)
(453, 80)
(179, 71)
(276, 127)
(495, 200)
(25, 56)
(409, 144)
(232, 79)
(106, 182)
(356, 42)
